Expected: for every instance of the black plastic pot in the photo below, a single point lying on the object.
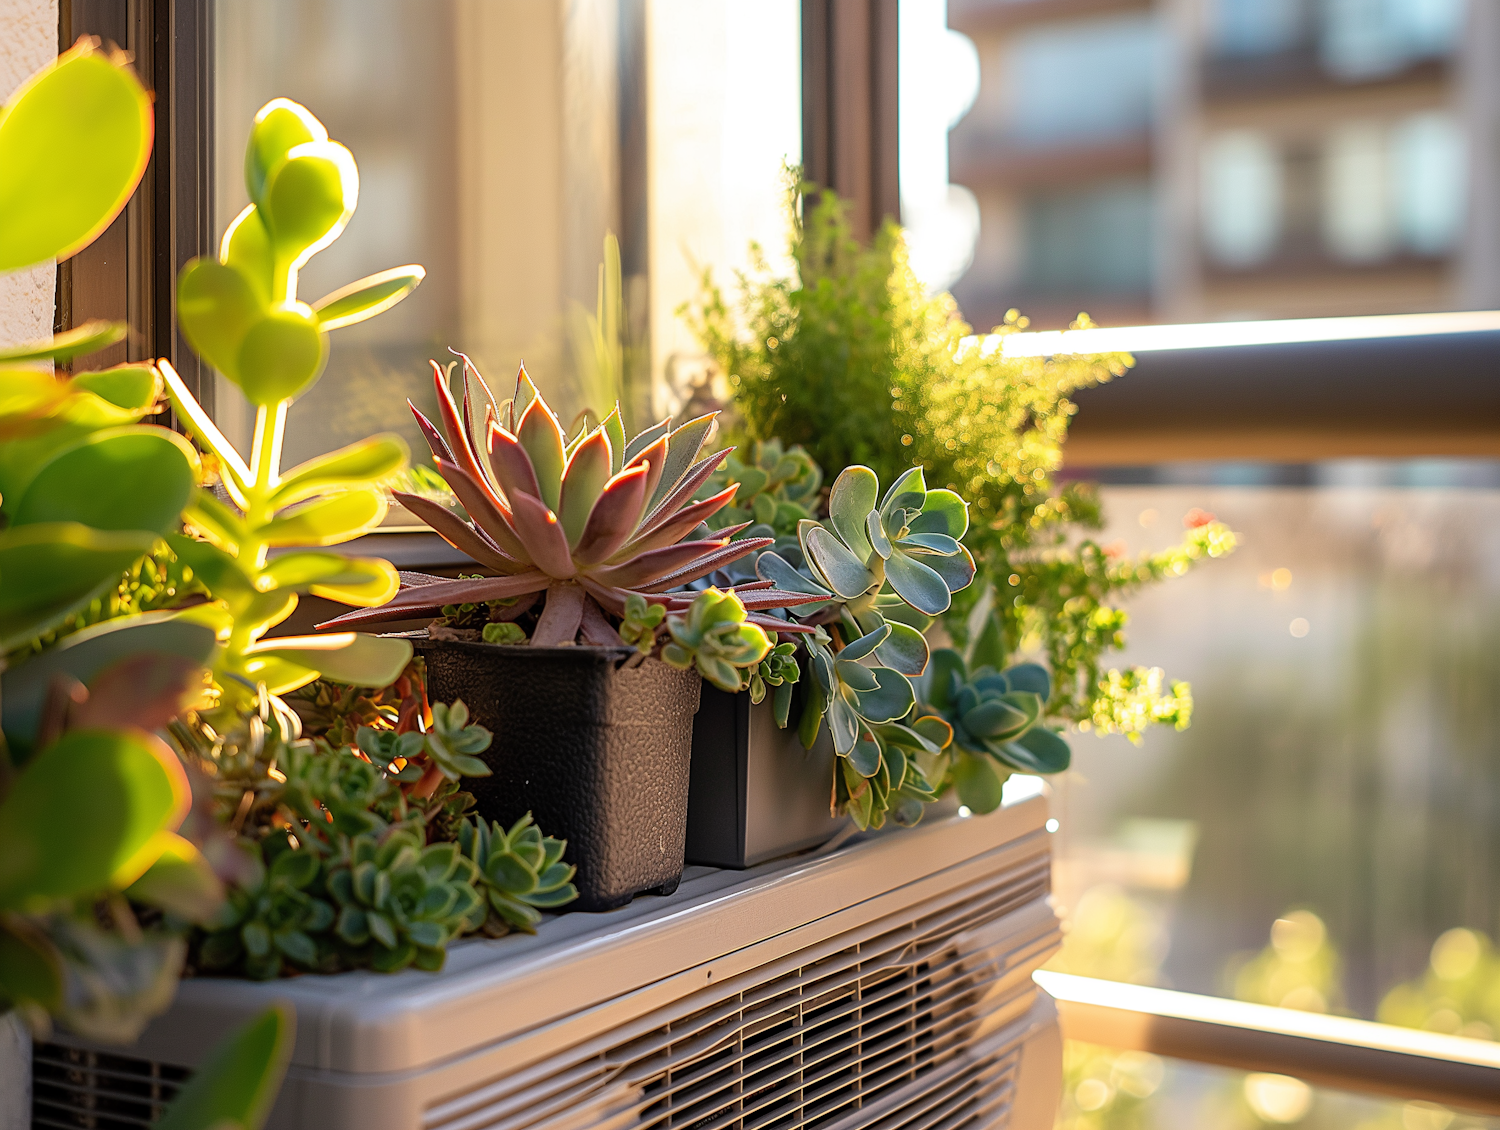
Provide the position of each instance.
(755, 793)
(594, 746)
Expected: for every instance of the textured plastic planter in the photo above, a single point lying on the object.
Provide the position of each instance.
(595, 746)
(755, 793)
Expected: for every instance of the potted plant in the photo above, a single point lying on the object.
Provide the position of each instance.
(849, 362)
(586, 537)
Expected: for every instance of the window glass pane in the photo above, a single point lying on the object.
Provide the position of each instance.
(498, 142)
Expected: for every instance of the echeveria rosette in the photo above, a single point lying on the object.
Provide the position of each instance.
(519, 873)
(581, 525)
(400, 902)
(778, 487)
(717, 637)
(998, 724)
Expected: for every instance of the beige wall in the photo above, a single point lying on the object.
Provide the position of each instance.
(29, 40)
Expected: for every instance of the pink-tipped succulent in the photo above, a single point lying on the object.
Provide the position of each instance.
(580, 525)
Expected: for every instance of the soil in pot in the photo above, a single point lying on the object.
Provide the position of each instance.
(593, 742)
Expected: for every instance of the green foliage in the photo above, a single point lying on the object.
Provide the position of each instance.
(996, 719)
(1458, 993)
(608, 363)
(517, 873)
(503, 632)
(236, 1086)
(715, 637)
(241, 312)
(852, 360)
(778, 488)
(778, 669)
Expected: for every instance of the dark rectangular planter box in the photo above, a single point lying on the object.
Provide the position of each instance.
(594, 744)
(755, 793)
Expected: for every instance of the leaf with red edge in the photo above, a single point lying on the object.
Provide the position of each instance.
(484, 509)
(583, 483)
(708, 563)
(458, 533)
(759, 598)
(654, 457)
(614, 516)
(435, 441)
(453, 424)
(414, 601)
(510, 464)
(683, 523)
(542, 436)
(683, 493)
(542, 534)
(644, 570)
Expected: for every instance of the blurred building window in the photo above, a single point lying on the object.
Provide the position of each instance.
(1242, 198)
(1358, 217)
(1257, 27)
(1094, 241)
(1366, 38)
(1430, 170)
(1083, 79)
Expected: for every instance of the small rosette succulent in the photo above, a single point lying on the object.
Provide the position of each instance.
(717, 637)
(519, 873)
(579, 525)
(275, 916)
(400, 901)
(997, 722)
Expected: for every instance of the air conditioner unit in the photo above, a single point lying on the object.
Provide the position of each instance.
(886, 984)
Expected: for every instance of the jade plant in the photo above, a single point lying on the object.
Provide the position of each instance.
(241, 311)
(572, 528)
(91, 801)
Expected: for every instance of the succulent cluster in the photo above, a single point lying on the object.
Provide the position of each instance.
(778, 487)
(717, 638)
(572, 528)
(880, 566)
(997, 723)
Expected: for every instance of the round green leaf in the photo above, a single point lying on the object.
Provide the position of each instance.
(845, 573)
(328, 521)
(308, 198)
(981, 786)
(216, 306)
(944, 675)
(918, 585)
(74, 140)
(1038, 750)
(892, 699)
(85, 814)
(850, 503)
(904, 650)
(279, 126)
(246, 248)
(345, 657)
(281, 355)
(49, 570)
(943, 512)
(360, 464)
(368, 297)
(137, 477)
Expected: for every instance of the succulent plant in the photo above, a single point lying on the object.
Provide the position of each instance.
(579, 524)
(716, 637)
(997, 722)
(641, 623)
(778, 488)
(879, 568)
(518, 873)
(274, 917)
(400, 901)
(777, 668)
(240, 310)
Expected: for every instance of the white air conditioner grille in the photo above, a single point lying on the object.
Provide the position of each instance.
(75, 1089)
(867, 1029)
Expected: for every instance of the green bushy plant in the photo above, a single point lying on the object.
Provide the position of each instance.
(850, 359)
